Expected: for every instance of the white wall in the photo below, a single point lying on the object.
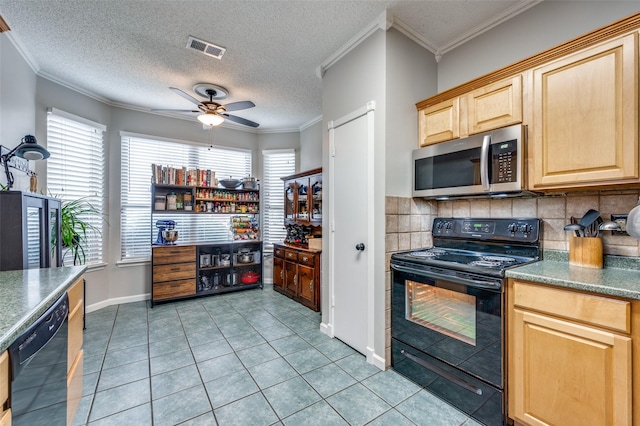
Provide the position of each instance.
(540, 28)
(17, 105)
(356, 79)
(311, 147)
(411, 77)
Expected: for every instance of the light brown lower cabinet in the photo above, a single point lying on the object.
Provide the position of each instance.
(5, 412)
(296, 274)
(570, 356)
(75, 354)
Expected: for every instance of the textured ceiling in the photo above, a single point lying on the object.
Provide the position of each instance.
(129, 52)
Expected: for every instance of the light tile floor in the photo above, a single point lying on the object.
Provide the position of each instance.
(248, 358)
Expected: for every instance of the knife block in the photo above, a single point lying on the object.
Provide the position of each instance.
(586, 252)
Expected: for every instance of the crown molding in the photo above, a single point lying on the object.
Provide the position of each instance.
(382, 22)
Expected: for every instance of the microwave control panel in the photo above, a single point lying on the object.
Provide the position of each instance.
(505, 162)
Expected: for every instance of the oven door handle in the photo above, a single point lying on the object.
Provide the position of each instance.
(493, 285)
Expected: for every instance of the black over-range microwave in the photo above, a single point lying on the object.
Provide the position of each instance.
(486, 164)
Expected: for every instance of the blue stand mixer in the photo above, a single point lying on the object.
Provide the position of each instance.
(163, 226)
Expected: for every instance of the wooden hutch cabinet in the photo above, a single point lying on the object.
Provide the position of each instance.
(297, 262)
(296, 274)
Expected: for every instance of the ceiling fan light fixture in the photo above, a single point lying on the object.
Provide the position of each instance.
(210, 119)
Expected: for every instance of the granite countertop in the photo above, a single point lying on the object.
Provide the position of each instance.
(26, 294)
(609, 281)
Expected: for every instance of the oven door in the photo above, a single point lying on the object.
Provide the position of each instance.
(456, 320)
(447, 337)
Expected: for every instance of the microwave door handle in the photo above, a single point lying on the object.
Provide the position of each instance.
(484, 163)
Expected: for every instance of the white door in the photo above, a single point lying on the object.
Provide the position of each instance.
(352, 283)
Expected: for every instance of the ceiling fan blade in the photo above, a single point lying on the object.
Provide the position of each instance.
(176, 110)
(185, 95)
(236, 106)
(240, 120)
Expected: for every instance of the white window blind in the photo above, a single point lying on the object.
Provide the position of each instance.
(76, 170)
(276, 164)
(138, 154)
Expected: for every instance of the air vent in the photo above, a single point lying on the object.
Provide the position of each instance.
(205, 47)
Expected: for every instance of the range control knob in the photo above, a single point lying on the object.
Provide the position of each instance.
(448, 225)
(513, 228)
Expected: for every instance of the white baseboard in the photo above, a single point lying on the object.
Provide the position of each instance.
(117, 301)
(376, 360)
(326, 329)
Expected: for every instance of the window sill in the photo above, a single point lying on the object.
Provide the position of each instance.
(133, 263)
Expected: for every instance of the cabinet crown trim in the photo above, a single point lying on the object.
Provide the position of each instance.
(616, 29)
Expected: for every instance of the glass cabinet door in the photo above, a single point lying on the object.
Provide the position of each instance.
(303, 199)
(35, 234)
(54, 208)
(289, 200)
(315, 183)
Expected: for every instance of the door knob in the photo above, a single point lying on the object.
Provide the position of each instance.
(360, 247)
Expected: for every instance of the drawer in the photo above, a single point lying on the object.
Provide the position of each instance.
(174, 289)
(75, 335)
(76, 293)
(306, 259)
(4, 377)
(278, 252)
(174, 254)
(177, 271)
(74, 388)
(591, 309)
(291, 255)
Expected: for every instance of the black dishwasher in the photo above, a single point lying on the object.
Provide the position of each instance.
(39, 369)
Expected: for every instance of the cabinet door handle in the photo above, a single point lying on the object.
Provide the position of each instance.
(295, 280)
(311, 286)
(175, 269)
(282, 274)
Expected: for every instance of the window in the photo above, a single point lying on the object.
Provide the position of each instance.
(76, 170)
(138, 154)
(276, 164)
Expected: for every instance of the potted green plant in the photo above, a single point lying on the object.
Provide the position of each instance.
(73, 228)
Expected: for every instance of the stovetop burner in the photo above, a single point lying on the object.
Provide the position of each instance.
(483, 246)
(498, 259)
(486, 263)
(432, 252)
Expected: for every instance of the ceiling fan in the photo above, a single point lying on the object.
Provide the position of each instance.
(212, 113)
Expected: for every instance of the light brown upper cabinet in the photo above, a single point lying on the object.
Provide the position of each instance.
(584, 126)
(487, 108)
(495, 105)
(439, 122)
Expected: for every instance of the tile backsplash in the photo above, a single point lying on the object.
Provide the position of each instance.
(408, 220)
